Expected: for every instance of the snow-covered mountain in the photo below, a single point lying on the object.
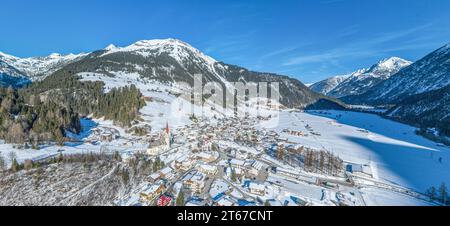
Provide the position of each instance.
(430, 73)
(182, 52)
(419, 93)
(35, 68)
(362, 80)
(171, 61)
(327, 85)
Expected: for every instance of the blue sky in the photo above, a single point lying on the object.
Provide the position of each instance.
(309, 40)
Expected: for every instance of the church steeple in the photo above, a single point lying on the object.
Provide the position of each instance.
(167, 128)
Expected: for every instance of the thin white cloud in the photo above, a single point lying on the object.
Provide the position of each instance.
(279, 52)
(362, 48)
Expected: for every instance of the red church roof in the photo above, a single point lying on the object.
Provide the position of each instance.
(167, 128)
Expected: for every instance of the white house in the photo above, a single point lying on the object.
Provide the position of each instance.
(166, 173)
(151, 192)
(208, 169)
(196, 183)
(257, 189)
(237, 163)
(154, 177)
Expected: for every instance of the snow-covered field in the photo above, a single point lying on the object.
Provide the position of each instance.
(377, 197)
(395, 153)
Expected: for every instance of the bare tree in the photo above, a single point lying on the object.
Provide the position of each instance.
(12, 156)
(2, 162)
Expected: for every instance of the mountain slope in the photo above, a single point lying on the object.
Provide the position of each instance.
(10, 76)
(429, 109)
(362, 80)
(430, 73)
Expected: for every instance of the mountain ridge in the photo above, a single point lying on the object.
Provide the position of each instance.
(36, 68)
(361, 80)
(174, 61)
(432, 72)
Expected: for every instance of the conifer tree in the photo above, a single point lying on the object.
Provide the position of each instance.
(443, 193)
(180, 198)
(15, 166)
(2, 163)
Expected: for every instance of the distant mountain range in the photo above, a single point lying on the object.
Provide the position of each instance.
(362, 80)
(167, 61)
(416, 93)
(429, 73)
(34, 68)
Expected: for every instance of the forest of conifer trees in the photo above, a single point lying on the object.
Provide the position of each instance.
(44, 111)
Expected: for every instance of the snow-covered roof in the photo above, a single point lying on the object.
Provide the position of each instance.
(166, 170)
(155, 176)
(182, 158)
(204, 155)
(255, 186)
(152, 188)
(198, 177)
(238, 171)
(237, 162)
(192, 204)
(208, 167)
(258, 165)
(225, 202)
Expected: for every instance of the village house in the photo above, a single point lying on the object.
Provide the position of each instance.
(179, 161)
(164, 201)
(257, 189)
(364, 170)
(166, 173)
(237, 163)
(105, 134)
(225, 201)
(184, 163)
(154, 177)
(195, 182)
(151, 192)
(256, 167)
(208, 169)
(208, 156)
(156, 148)
(185, 166)
(237, 171)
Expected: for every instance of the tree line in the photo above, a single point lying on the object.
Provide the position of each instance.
(439, 194)
(32, 124)
(311, 160)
